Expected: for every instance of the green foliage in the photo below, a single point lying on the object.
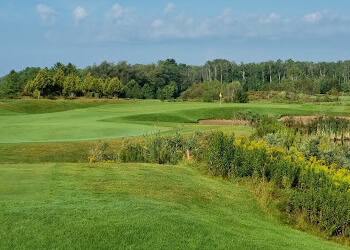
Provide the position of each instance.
(327, 84)
(194, 92)
(313, 147)
(240, 96)
(97, 87)
(165, 149)
(114, 87)
(285, 138)
(335, 127)
(58, 82)
(71, 86)
(148, 91)
(266, 124)
(9, 84)
(133, 90)
(87, 83)
(327, 98)
(169, 91)
(212, 91)
(42, 82)
(160, 149)
(167, 79)
(100, 153)
(13, 84)
(219, 152)
(132, 151)
(317, 191)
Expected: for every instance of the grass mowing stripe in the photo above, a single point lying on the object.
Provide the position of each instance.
(35, 106)
(141, 206)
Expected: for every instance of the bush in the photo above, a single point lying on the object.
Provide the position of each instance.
(132, 151)
(267, 124)
(220, 152)
(160, 149)
(165, 149)
(241, 96)
(100, 153)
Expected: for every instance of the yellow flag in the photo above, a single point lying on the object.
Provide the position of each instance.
(220, 95)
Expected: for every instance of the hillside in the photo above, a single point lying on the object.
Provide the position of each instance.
(139, 206)
(51, 198)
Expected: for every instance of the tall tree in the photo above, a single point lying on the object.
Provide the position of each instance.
(114, 87)
(71, 85)
(58, 81)
(97, 87)
(87, 83)
(133, 90)
(42, 81)
(10, 84)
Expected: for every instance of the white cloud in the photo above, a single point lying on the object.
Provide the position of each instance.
(272, 26)
(313, 17)
(180, 27)
(125, 24)
(47, 14)
(117, 12)
(169, 8)
(226, 15)
(271, 18)
(79, 13)
(120, 24)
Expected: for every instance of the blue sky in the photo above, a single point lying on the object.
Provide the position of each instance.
(42, 32)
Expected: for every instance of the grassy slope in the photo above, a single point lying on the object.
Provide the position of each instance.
(33, 106)
(138, 206)
(134, 118)
(71, 206)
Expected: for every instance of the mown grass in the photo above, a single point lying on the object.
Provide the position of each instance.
(133, 206)
(131, 118)
(34, 106)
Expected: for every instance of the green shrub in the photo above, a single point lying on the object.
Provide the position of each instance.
(100, 153)
(132, 151)
(165, 148)
(160, 149)
(220, 152)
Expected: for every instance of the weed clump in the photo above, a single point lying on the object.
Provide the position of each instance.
(101, 153)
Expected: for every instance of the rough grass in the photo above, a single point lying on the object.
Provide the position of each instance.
(134, 206)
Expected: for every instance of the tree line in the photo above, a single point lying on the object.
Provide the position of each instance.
(168, 79)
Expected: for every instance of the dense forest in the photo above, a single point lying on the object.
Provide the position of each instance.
(169, 80)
